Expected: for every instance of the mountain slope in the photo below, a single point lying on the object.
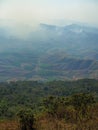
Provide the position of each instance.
(15, 66)
(51, 52)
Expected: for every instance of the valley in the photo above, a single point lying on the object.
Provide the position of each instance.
(50, 53)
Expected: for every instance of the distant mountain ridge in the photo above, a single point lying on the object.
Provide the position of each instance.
(50, 52)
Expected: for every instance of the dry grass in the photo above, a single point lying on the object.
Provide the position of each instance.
(53, 124)
(9, 125)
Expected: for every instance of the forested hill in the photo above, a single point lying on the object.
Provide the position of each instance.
(15, 95)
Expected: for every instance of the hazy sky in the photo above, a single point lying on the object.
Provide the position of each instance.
(21, 13)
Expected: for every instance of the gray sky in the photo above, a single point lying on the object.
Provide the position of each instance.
(23, 13)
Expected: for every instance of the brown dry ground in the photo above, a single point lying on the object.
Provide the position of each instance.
(52, 124)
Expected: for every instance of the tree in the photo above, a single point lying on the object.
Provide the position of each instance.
(3, 108)
(81, 103)
(26, 119)
(55, 106)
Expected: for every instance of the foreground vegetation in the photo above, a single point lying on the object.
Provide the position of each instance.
(77, 112)
(57, 105)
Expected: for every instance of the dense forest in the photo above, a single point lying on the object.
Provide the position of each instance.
(55, 105)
